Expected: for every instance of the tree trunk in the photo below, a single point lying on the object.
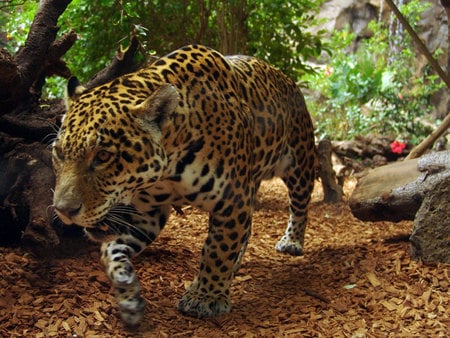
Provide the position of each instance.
(332, 191)
(231, 20)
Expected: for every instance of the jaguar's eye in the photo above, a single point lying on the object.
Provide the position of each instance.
(102, 156)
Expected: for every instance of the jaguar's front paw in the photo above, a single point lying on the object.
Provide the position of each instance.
(287, 245)
(121, 274)
(195, 304)
(131, 304)
(132, 309)
(128, 296)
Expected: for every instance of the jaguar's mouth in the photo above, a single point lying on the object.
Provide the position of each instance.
(111, 225)
(101, 233)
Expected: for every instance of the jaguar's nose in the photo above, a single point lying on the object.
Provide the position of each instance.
(66, 212)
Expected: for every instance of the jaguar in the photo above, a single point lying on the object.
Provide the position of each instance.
(194, 127)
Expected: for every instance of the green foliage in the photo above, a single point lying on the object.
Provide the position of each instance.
(166, 25)
(375, 90)
(103, 25)
(16, 18)
(278, 33)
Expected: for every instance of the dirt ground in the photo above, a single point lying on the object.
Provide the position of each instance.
(355, 280)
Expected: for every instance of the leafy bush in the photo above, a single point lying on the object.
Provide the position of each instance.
(278, 33)
(376, 89)
(274, 30)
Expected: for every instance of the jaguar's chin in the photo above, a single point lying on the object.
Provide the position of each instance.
(65, 220)
(100, 234)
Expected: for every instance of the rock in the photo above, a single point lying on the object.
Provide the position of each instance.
(416, 189)
(430, 239)
(356, 14)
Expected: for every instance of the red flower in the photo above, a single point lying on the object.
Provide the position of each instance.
(397, 147)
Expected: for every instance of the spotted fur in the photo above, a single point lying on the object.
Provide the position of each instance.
(194, 128)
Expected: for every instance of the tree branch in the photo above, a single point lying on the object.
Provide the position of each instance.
(53, 63)
(24, 68)
(122, 63)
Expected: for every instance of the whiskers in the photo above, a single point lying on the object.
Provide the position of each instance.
(50, 214)
(50, 138)
(120, 220)
(53, 218)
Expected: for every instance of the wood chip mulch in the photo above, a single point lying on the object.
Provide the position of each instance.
(355, 280)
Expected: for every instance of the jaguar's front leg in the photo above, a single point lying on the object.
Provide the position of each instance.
(116, 257)
(209, 293)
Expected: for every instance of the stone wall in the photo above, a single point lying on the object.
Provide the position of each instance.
(358, 13)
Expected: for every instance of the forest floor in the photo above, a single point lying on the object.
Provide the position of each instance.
(356, 279)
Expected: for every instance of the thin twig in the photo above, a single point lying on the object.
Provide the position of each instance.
(316, 295)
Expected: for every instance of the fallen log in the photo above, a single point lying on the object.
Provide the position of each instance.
(418, 190)
(395, 192)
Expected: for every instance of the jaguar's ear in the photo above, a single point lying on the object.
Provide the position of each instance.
(74, 90)
(159, 105)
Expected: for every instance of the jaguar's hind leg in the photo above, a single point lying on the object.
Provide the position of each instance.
(300, 182)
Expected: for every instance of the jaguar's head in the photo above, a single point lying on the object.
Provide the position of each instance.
(107, 148)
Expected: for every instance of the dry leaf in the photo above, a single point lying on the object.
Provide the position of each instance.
(373, 279)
